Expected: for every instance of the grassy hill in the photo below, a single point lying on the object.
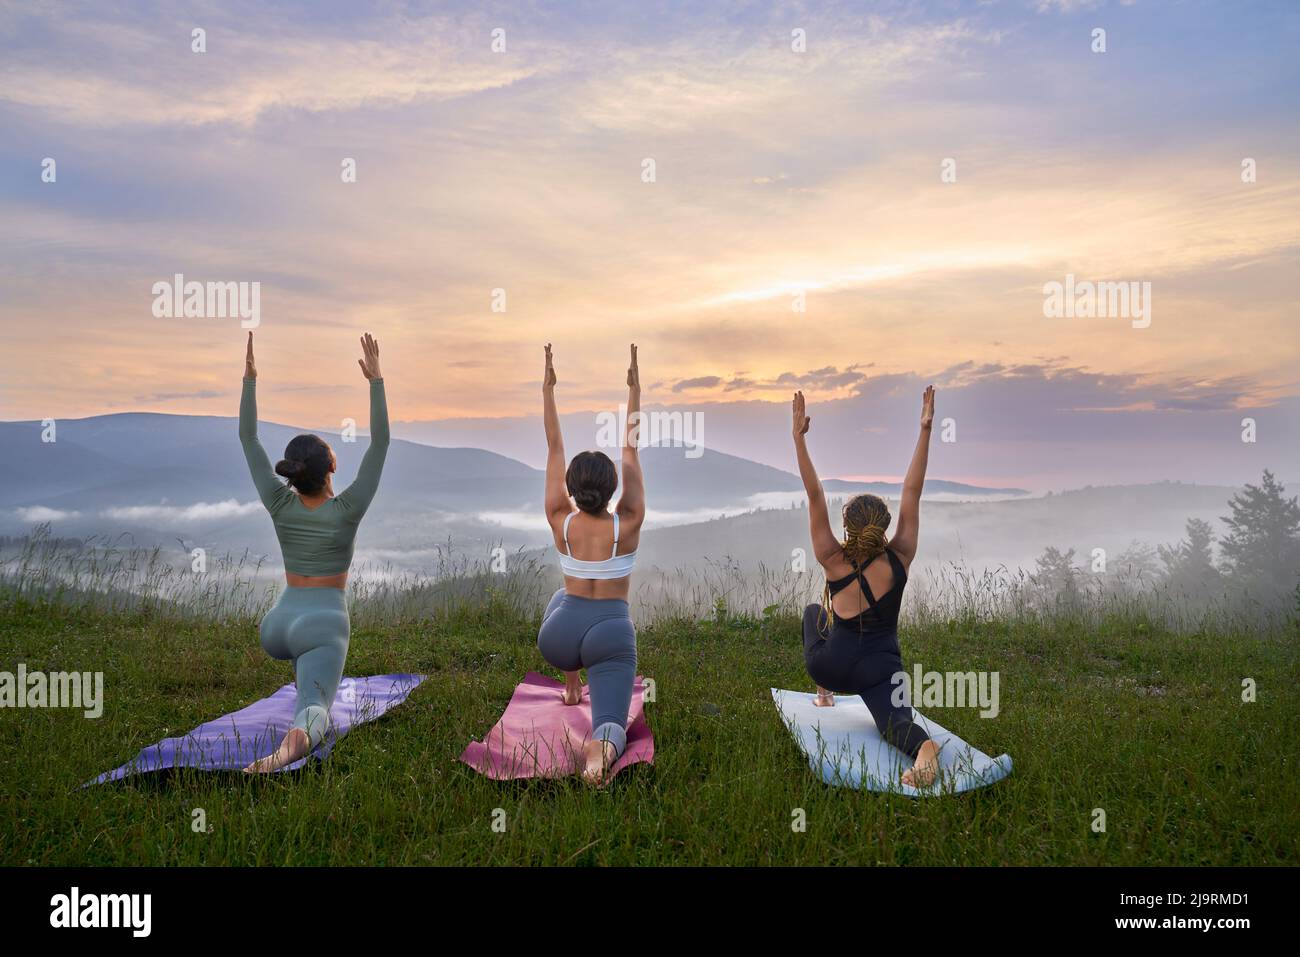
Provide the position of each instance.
(1121, 716)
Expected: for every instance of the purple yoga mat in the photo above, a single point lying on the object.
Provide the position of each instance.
(540, 736)
(234, 741)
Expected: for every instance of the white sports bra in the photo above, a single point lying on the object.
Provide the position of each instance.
(616, 566)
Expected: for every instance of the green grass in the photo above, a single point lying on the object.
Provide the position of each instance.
(1145, 724)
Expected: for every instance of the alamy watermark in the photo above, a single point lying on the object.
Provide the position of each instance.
(76, 909)
(1085, 299)
(658, 427)
(58, 689)
(179, 299)
(947, 689)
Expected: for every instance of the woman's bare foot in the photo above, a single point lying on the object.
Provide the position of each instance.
(295, 745)
(572, 687)
(599, 756)
(925, 769)
(824, 699)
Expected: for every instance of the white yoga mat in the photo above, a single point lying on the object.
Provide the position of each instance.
(845, 749)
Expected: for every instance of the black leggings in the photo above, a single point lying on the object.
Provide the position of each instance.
(844, 659)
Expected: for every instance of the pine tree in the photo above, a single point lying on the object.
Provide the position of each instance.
(1189, 565)
(1057, 576)
(1262, 547)
(1137, 565)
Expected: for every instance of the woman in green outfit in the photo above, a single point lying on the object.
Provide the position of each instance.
(316, 528)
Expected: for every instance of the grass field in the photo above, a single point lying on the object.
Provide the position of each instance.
(1148, 726)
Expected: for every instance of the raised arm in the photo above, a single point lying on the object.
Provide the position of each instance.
(825, 545)
(356, 498)
(557, 492)
(909, 509)
(270, 489)
(631, 504)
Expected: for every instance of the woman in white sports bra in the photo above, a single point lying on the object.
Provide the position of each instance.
(587, 623)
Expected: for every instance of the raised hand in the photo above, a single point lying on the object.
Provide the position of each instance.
(633, 373)
(801, 421)
(369, 360)
(250, 367)
(927, 407)
(548, 377)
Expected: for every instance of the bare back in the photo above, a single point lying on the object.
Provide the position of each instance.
(851, 602)
(591, 539)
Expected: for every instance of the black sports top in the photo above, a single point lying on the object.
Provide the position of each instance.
(881, 614)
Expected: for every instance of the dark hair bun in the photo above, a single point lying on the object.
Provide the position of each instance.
(591, 480)
(589, 499)
(306, 464)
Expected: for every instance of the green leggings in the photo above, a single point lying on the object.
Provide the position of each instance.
(309, 626)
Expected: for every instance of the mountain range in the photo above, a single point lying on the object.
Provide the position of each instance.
(147, 459)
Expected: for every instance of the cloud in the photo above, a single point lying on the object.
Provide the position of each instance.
(140, 71)
(522, 170)
(39, 513)
(1050, 425)
(175, 514)
(827, 378)
(700, 382)
(1073, 6)
(175, 396)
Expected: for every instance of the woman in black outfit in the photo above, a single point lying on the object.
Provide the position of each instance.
(851, 641)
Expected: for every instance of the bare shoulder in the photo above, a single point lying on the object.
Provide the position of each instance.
(629, 516)
(555, 518)
(905, 556)
(836, 565)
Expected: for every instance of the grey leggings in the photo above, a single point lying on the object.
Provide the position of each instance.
(596, 634)
(309, 626)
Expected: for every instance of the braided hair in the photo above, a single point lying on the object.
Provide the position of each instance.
(866, 519)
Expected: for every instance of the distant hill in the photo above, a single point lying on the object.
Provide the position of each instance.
(158, 465)
(716, 479)
(979, 534)
(181, 480)
(932, 487)
(139, 458)
(145, 458)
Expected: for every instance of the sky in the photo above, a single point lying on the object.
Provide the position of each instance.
(799, 230)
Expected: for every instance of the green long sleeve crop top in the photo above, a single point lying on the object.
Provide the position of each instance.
(315, 541)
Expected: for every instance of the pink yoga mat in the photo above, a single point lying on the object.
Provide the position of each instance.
(540, 736)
